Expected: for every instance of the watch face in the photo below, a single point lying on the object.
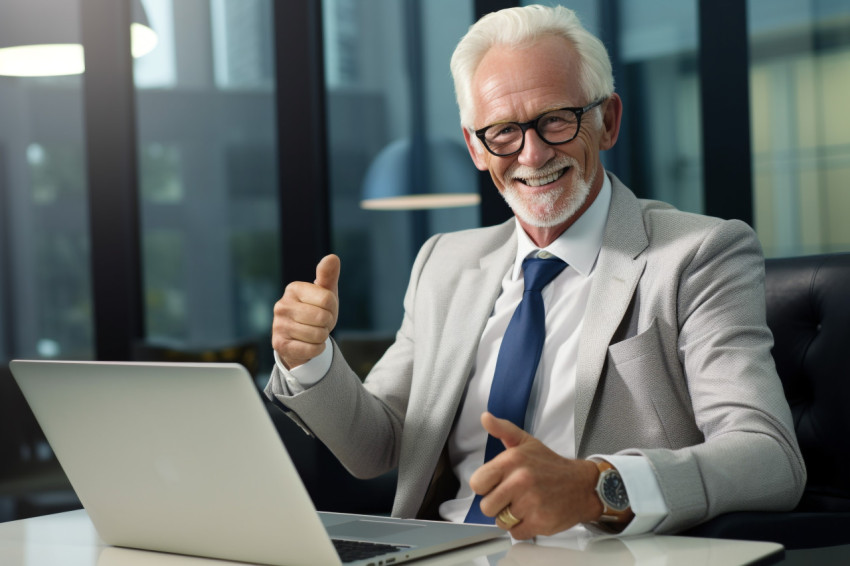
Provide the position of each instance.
(614, 492)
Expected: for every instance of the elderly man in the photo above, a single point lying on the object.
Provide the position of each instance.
(598, 359)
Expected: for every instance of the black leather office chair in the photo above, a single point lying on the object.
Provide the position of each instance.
(808, 310)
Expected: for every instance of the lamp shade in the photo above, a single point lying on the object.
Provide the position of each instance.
(452, 178)
(42, 37)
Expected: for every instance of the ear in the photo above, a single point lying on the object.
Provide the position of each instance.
(612, 113)
(476, 150)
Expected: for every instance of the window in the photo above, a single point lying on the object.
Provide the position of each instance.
(44, 245)
(660, 86)
(799, 77)
(653, 46)
(208, 175)
(376, 98)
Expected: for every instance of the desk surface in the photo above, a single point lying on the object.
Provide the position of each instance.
(69, 539)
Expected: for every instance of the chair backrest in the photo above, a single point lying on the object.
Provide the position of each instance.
(808, 310)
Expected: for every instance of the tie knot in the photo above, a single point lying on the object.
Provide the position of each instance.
(538, 272)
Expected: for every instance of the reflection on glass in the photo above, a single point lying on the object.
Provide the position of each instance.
(208, 176)
(389, 85)
(256, 279)
(157, 68)
(657, 76)
(45, 283)
(243, 43)
(53, 251)
(660, 90)
(63, 285)
(159, 177)
(799, 77)
(165, 285)
(57, 171)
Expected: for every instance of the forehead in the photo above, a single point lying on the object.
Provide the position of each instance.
(519, 82)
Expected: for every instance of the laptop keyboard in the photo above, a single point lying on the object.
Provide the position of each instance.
(352, 550)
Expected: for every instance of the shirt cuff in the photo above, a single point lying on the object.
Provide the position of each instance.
(307, 374)
(645, 496)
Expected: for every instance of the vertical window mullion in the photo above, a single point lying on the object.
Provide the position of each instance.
(725, 107)
(110, 125)
(302, 134)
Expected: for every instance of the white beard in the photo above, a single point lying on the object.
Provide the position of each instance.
(542, 210)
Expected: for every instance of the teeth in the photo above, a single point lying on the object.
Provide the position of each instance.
(539, 181)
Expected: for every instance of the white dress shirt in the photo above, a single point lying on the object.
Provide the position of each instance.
(551, 410)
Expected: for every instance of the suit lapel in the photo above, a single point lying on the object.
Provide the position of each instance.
(441, 384)
(471, 305)
(617, 273)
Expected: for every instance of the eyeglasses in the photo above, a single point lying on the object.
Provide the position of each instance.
(554, 127)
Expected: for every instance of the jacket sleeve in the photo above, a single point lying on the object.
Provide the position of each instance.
(750, 459)
(360, 422)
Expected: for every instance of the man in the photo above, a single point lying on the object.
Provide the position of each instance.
(656, 359)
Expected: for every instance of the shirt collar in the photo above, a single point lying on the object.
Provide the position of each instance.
(579, 245)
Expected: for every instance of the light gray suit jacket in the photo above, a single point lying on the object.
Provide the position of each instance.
(674, 364)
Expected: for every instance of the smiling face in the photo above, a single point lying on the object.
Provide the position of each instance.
(547, 186)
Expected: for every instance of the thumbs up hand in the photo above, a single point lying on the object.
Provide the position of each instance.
(545, 491)
(306, 314)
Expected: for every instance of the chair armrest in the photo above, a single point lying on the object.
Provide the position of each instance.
(794, 529)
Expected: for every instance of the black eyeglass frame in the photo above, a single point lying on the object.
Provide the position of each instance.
(524, 126)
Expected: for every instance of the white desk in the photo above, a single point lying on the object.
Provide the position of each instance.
(69, 539)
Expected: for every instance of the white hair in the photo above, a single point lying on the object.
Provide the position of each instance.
(518, 26)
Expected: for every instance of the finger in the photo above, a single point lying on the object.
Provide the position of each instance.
(307, 333)
(524, 530)
(327, 273)
(307, 303)
(286, 329)
(506, 431)
(496, 500)
(485, 478)
(299, 329)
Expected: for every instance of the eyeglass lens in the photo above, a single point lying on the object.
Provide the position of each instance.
(558, 126)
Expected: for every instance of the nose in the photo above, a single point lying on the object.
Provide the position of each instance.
(535, 152)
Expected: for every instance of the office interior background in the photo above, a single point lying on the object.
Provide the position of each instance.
(168, 209)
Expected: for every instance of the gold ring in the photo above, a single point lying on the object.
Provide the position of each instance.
(506, 517)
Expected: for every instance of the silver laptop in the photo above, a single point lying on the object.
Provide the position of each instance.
(184, 458)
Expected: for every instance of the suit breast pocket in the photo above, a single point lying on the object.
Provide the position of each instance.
(642, 397)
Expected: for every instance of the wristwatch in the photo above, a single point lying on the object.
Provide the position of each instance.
(612, 494)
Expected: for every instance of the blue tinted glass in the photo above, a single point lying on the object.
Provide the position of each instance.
(393, 129)
(799, 77)
(208, 174)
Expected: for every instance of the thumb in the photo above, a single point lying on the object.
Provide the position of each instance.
(506, 431)
(327, 273)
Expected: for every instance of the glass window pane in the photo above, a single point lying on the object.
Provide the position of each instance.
(44, 249)
(659, 152)
(45, 283)
(388, 91)
(243, 43)
(661, 95)
(157, 68)
(208, 176)
(799, 77)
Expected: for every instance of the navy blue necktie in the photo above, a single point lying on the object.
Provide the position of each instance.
(517, 362)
